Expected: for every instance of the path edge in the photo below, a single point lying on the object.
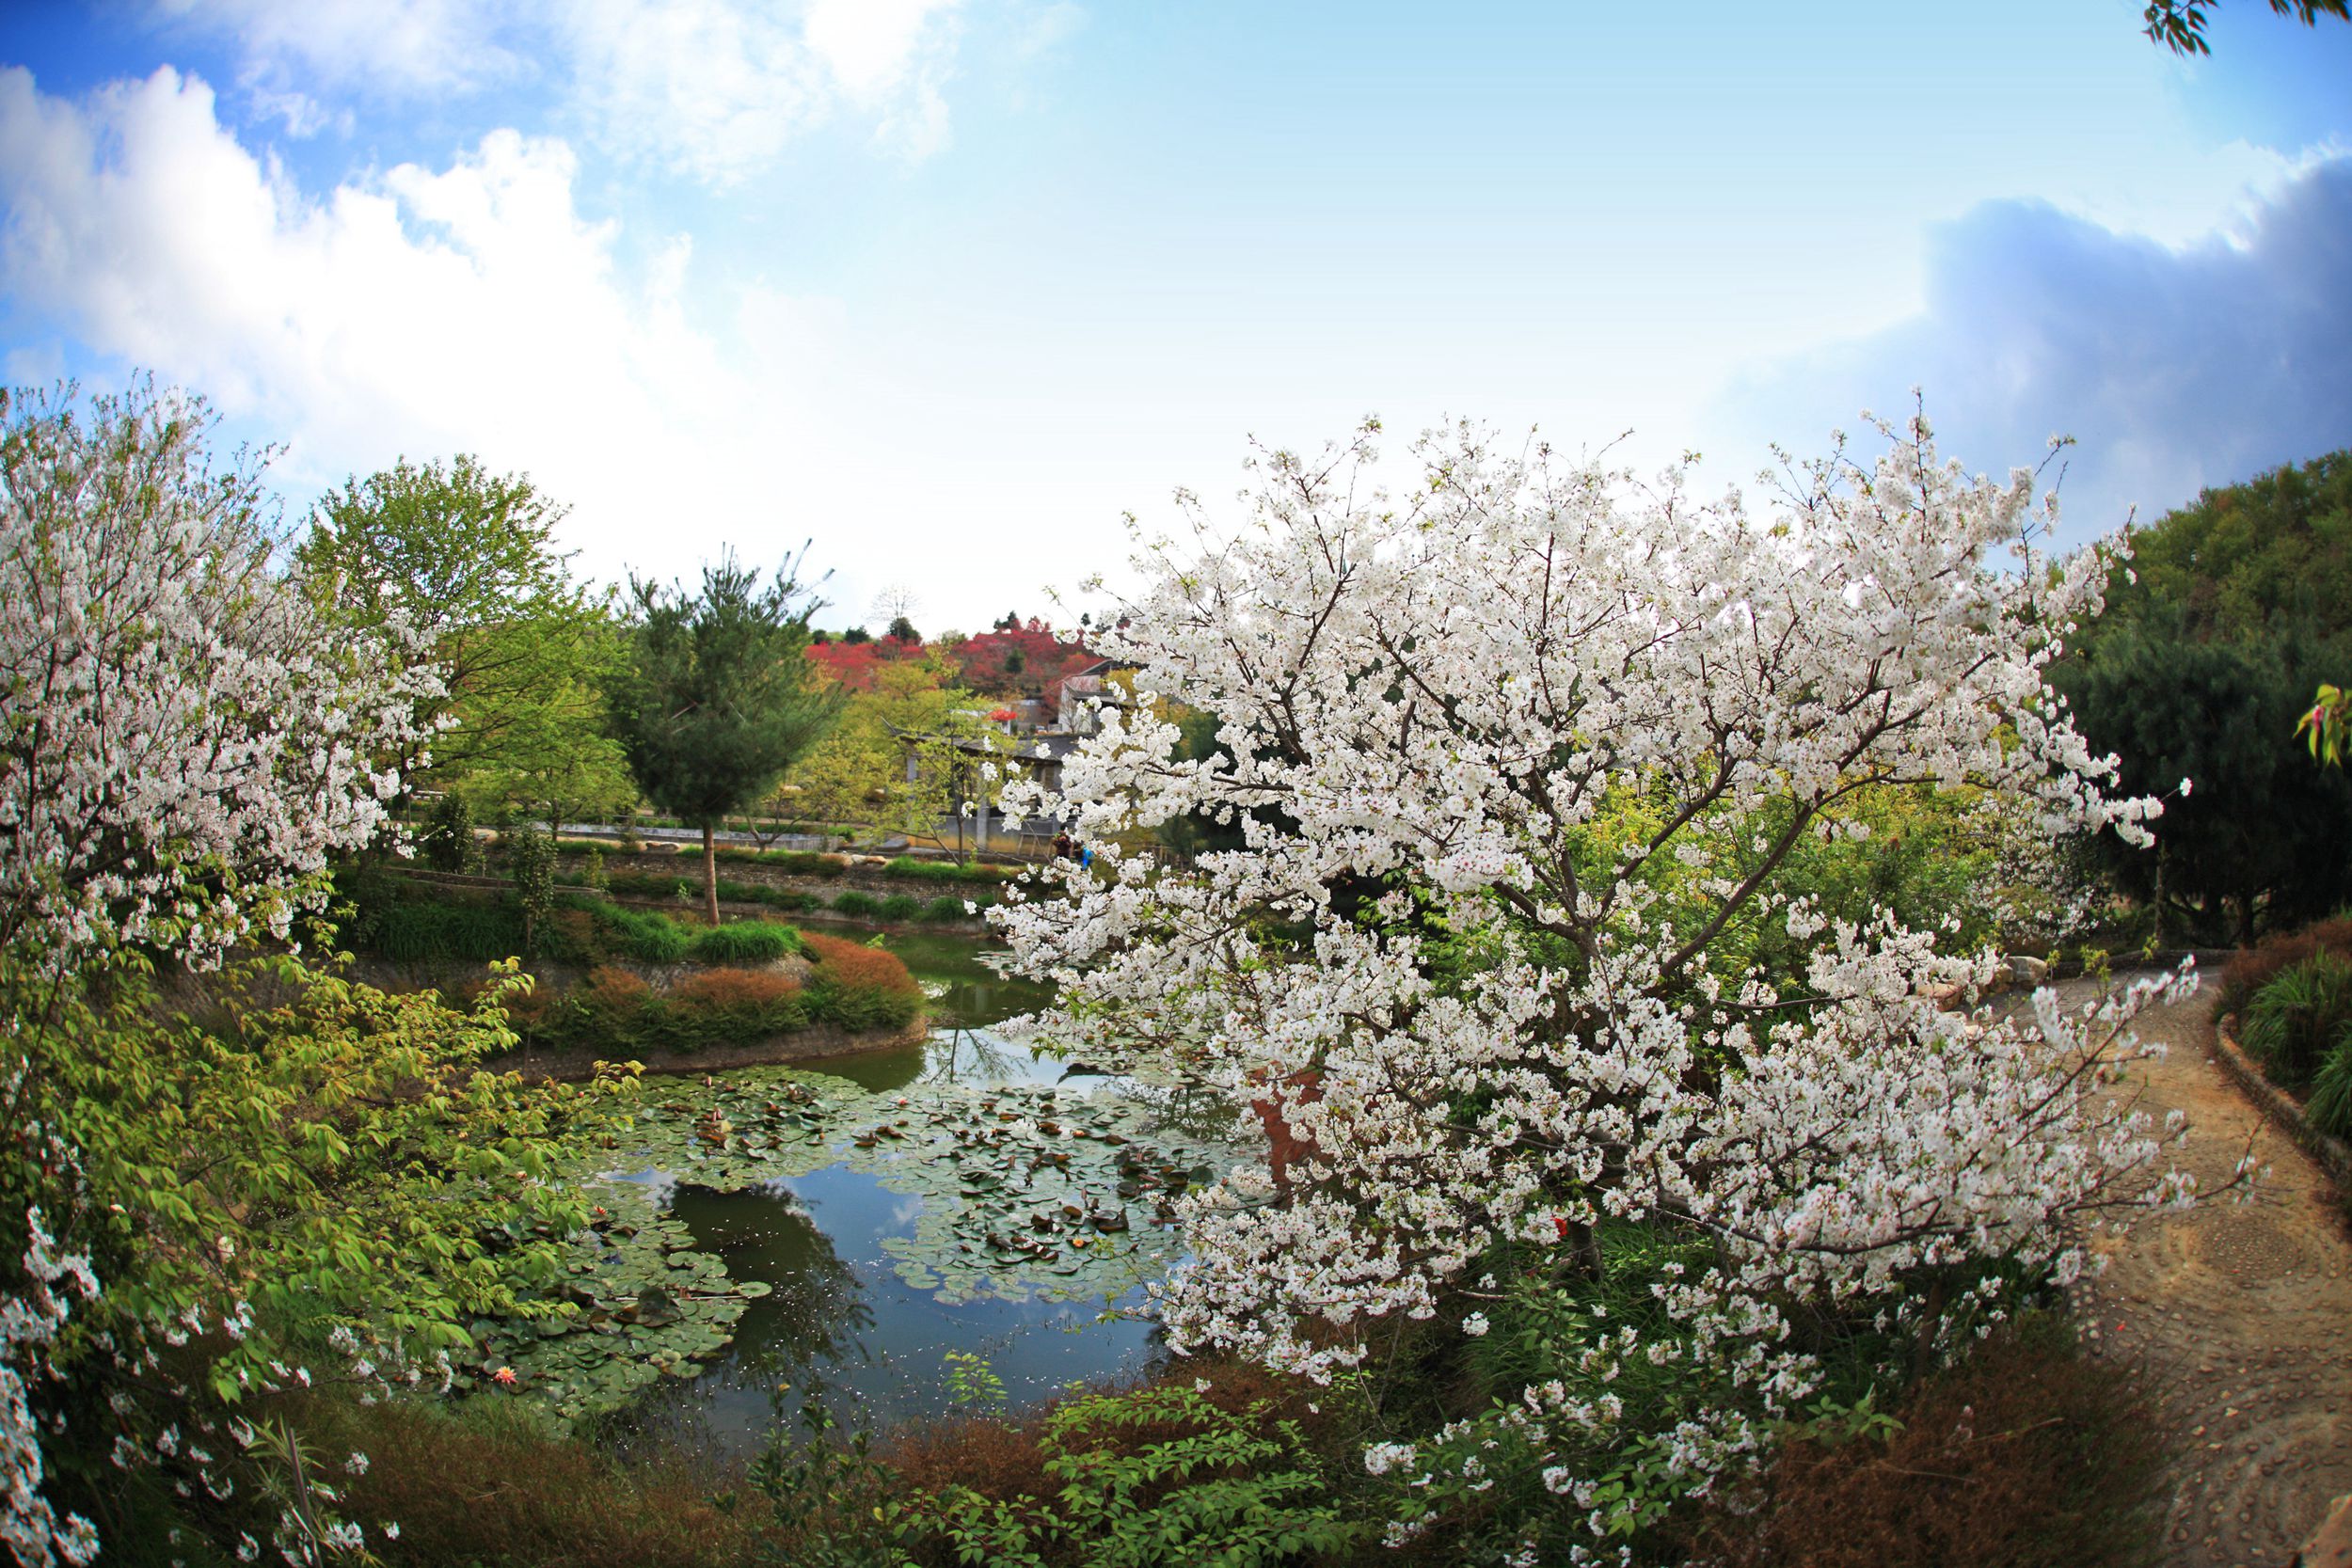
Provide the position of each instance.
(2333, 1155)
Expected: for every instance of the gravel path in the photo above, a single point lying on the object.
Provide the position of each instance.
(2242, 1312)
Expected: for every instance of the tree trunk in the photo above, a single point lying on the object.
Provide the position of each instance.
(710, 873)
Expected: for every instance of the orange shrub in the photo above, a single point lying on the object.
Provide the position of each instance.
(529, 1011)
(857, 967)
(715, 989)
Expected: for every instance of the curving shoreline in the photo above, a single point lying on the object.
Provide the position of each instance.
(821, 1041)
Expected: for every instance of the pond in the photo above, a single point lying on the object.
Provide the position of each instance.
(838, 1228)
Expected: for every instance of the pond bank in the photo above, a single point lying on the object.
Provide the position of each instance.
(819, 1042)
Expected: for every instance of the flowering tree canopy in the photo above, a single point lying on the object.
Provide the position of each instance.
(1517, 758)
(181, 746)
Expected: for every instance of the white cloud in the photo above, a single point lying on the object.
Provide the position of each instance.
(866, 44)
(422, 312)
(2175, 365)
(711, 88)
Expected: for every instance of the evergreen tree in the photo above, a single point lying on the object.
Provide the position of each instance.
(716, 699)
(2234, 610)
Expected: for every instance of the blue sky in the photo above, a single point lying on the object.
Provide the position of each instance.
(949, 287)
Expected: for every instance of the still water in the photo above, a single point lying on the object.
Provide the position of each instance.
(842, 1323)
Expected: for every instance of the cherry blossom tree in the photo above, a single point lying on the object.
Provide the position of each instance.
(1517, 756)
(181, 749)
(181, 744)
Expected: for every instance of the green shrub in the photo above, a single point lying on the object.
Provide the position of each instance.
(944, 907)
(416, 931)
(947, 871)
(2253, 968)
(1152, 1474)
(448, 841)
(2330, 1105)
(2294, 1020)
(748, 942)
(643, 934)
(799, 862)
(851, 901)
(900, 906)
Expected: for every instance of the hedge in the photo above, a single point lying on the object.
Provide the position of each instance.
(850, 986)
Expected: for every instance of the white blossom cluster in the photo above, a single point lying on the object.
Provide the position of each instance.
(28, 1322)
(182, 745)
(181, 741)
(1517, 704)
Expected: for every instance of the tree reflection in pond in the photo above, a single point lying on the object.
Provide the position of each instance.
(842, 1319)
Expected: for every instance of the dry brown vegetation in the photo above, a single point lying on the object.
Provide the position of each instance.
(2029, 1455)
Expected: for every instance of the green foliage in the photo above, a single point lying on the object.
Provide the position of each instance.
(900, 906)
(973, 1384)
(1144, 1477)
(1927, 856)
(468, 559)
(2180, 24)
(2251, 969)
(832, 1499)
(448, 841)
(715, 701)
(2328, 727)
(851, 901)
(942, 908)
(799, 862)
(2330, 1105)
(893, 711)
(2297, 1019)
(634, 884)
(2236, 608)
(745, 943)
(332, 1154)
(530, 862)
(434, 931)
(948, 871)
(644, 935)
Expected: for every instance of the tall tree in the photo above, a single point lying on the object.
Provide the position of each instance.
(716, 699)
(2230, 611)
(467, 561)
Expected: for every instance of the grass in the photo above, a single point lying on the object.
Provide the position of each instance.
(2295, 1018)
(2250, 970)
(749, 941)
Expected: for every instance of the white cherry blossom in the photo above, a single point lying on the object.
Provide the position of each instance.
(1571, 726)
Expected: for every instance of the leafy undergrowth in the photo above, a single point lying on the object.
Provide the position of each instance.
(2251, 969)
(2029, 1456)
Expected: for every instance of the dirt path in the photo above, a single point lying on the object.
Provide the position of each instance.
(2243, 1313)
